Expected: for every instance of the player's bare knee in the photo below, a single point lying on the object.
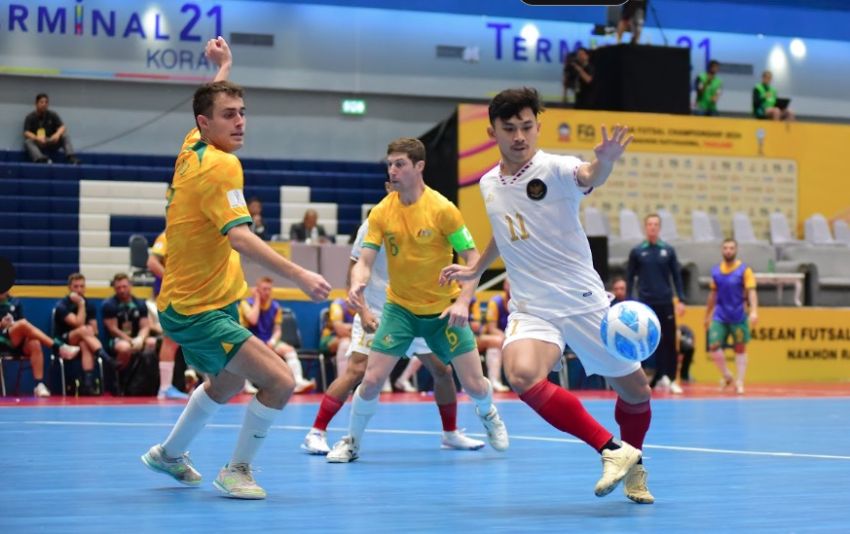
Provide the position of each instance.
(355, 372)
(369, 387)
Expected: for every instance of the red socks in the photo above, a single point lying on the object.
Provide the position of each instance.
(633, 420)
(448, 413)
(563, 410)
(327, 410)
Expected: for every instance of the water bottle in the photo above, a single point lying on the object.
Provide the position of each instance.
(314, 235)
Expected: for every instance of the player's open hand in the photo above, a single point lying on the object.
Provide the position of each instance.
(218, 51)
(355, 297)
(458, 314)
(610, 149)
(315, 285)
(458, 273)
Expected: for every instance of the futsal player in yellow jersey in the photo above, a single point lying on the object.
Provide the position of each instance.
(207, 227)
(418, 227)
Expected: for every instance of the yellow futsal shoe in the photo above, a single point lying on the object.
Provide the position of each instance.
(634, 485)
(615, 465)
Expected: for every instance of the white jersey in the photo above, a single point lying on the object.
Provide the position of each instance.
(535, 220)
(376, 290)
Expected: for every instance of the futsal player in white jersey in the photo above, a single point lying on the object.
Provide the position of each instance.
(532, 200)
(362, 332)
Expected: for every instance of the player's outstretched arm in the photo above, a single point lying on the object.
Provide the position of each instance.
(607, 153)
(360, 274)
(243, 241)
(470, 271)
(218, 51)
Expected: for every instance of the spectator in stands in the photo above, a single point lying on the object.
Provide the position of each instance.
(618, 289)
(19, 336)
(709, 87)
(169, 353)
(75, 323)
(686, 353)
(764, 101)
(631, 20)
(578, 77)
(125, 318)
(653, 263)
(336, 333)
(490, 343)
(263, 316)
(309, 230)
(45, 133)
(258, 226)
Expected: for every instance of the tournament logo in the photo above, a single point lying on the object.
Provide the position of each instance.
(564, 132)
(536, 189)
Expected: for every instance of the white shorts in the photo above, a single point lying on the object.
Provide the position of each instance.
(580, 332)
(361, 341)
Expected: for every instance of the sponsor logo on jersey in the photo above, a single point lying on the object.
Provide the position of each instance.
(536, 189)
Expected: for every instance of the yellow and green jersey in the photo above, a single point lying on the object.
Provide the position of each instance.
(205, 200)
(418, 240)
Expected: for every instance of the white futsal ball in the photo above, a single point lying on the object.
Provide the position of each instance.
(630, 331)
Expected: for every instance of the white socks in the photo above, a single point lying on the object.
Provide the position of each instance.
(485, 403)
(295, 365)
(258, 419)
(198, 411)
(493, 361)
(412, 368)
(362, 411)
(166, 375)
(741, 366)
(720, 361)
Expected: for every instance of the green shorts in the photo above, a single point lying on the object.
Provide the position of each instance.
(209, 339)
(718, 333)
(398, 328)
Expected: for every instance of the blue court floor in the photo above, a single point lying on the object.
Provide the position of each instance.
(715, 465)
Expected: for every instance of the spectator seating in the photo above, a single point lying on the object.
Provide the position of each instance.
(841, 230)
(63, 218)
(817, 230)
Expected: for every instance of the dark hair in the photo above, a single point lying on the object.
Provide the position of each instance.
(202, 103)
(410, 146)
(510, 102)
(75, 276)
(255, 199)
(118, 277)
(712, 63)
(39, 96)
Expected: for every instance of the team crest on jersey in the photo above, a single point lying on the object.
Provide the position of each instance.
(663, 253)
(388, 339)
(424, 233)
(536, 189)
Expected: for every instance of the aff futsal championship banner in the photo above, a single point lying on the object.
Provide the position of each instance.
(680, 163)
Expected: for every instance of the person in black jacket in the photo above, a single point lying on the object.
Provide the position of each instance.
(45, 133)
(654, 264)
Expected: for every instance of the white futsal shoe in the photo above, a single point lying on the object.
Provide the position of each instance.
(316, 442)
(180, 468)
(344, 451)
(615, 466)
(237, 481)
(634, 485)
(457, 440)
(497, 432)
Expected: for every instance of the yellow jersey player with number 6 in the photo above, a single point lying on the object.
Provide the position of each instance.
(207, 226)
(418, 228)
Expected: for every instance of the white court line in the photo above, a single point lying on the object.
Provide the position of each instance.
(435, 433)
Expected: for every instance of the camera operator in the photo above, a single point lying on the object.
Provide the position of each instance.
(578, 77)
